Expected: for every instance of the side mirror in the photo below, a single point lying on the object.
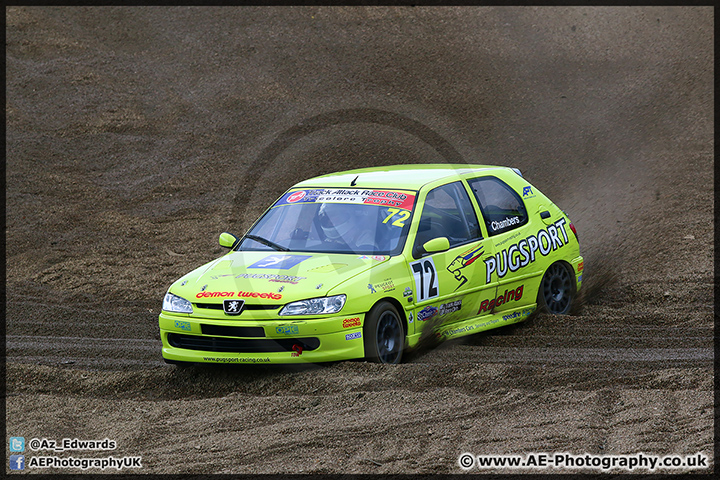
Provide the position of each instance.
(227, 240)
(435, 245)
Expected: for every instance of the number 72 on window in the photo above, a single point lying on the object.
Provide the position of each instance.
(400, 218)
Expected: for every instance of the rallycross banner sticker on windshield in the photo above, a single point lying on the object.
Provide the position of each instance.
(404, 199)
(523, 252)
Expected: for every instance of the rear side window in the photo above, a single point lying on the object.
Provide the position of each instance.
(502, 208)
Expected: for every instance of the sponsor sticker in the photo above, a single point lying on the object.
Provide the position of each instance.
(509, 296)
(451, 307)
(377, 258)
(507, 222)
(270, 295)
(386, 285)
(456, 331)
(183, 325)
(214, 294)
(403, 199)
(272, 277)
(296, 197)
(462, 261)
(426, 313)
(523, 253)
(287, 330)
(508, 238)
(524, 313)
(354, 335)
(351, 322)
(279, 262)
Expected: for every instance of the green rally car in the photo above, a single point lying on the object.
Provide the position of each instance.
(360, 264)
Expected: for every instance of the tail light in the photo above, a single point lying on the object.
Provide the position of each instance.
(572, 227)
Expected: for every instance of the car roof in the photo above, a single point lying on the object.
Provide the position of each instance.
(411, 177)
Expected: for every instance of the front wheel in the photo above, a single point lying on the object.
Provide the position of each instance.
(557, 290)
(384, 334)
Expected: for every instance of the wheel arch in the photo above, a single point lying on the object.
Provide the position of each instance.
(565, 263)
(401, 310)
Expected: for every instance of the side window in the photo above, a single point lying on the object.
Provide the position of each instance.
(501, 206)
(447, 212)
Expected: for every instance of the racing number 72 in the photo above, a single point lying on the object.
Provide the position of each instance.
(401, 217)
(426, 282)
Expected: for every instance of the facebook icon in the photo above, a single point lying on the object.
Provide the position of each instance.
(17, 462)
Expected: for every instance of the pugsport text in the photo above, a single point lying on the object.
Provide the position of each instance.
(545, 241)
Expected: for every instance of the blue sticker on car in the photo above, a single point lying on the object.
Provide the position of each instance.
(183, 325)
(287, 330)
(280, 262)
(427, 313)
(352, 336)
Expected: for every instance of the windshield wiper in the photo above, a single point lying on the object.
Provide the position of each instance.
(268, 243)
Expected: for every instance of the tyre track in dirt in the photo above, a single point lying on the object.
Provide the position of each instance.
(548, 340)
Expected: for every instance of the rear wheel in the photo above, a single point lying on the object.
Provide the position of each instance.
(384, 334)
(557, 289)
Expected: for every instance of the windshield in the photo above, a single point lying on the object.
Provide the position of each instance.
(335, 220)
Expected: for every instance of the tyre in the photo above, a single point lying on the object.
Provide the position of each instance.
(384, 334)
(557, 289)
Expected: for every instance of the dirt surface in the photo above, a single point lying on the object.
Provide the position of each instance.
(135, 136)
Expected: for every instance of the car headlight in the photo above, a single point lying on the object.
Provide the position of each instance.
(173, 303)
(315, 306)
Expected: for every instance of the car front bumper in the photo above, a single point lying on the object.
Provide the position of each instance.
(199, 340)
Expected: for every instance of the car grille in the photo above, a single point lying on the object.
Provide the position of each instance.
(241, 345)
(224, 331)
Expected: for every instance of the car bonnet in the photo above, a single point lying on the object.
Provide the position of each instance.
(272, 278)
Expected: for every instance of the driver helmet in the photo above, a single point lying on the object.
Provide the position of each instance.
(336, 220)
